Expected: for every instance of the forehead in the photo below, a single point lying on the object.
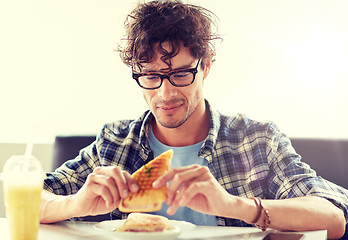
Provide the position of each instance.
(182, 60)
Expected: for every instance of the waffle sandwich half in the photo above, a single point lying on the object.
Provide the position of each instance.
(148, 199)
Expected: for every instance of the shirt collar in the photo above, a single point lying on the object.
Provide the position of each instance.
(144, 130)
(214, 127)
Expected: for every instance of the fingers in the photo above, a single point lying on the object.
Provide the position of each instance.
(122, 180)
(182, 197)
(103, 186)
(189, 192)
(185, 184)
(188, 183)
(163, 180)
(183, 179)
(111, 184)
(132, 184)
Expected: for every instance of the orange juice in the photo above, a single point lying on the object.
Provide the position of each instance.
(23, 210)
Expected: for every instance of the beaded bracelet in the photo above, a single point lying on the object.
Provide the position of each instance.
(267, 219)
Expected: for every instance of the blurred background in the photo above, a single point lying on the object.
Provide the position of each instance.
(285, 61)
(280, 61)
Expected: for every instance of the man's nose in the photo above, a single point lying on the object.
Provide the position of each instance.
(167, 90)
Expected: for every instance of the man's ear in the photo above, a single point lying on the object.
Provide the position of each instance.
(207, 64)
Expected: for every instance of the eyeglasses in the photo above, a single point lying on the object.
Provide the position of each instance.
(179, 78)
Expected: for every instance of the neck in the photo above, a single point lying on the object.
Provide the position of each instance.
(193, 131)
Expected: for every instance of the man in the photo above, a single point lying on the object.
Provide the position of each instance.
(222, 166)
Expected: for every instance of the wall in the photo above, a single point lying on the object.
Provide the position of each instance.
(284, 61)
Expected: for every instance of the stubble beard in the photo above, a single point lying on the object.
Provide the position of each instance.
(170, 122)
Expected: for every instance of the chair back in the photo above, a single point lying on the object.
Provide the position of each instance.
(68, 147)
(328, 157)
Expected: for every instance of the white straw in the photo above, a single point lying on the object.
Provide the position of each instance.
(28, 153)
(29, 149)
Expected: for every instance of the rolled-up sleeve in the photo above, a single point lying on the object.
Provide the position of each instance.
(290, 177)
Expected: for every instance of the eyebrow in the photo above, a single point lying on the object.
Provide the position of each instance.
(183, 67)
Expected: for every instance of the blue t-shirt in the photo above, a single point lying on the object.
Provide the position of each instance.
(183, 156)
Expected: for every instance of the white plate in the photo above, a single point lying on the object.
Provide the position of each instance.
(176, 228)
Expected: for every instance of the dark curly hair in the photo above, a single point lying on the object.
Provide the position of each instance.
(170, 22)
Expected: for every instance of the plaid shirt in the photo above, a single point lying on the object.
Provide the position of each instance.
(248, 158)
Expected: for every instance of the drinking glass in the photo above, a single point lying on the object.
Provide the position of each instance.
(23, 182)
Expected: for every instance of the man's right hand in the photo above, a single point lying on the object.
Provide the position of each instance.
(103, 190)
(100, 194)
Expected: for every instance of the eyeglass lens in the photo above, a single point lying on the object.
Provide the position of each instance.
(178, 79)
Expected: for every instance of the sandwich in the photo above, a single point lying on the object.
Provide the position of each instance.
(142, 222)
(148, 199)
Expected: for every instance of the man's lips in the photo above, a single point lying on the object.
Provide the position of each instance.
(169, 109)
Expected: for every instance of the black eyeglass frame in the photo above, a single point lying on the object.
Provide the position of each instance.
(194, 71)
